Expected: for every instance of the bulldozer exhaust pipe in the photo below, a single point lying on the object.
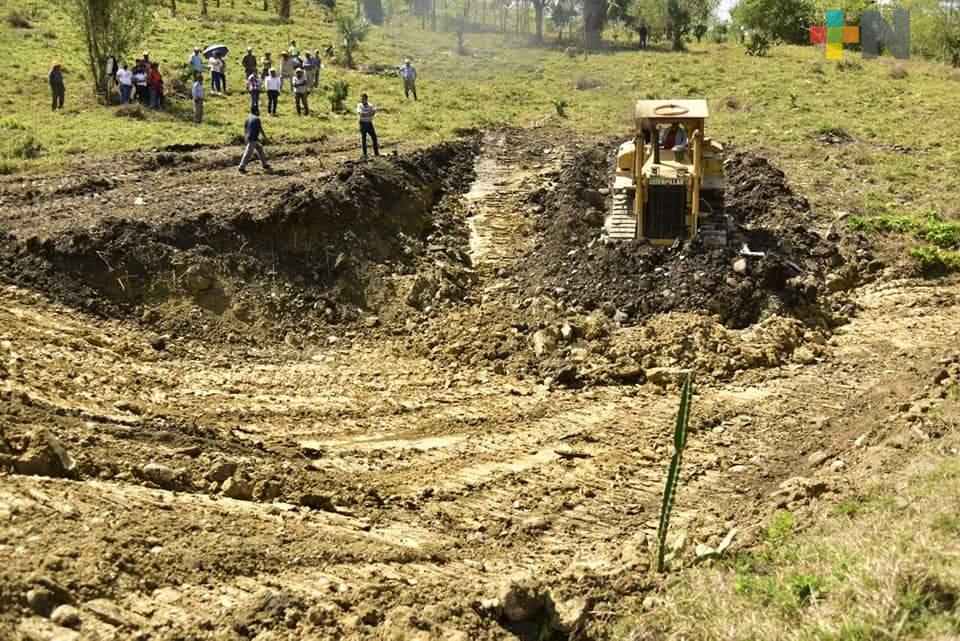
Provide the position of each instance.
(655, 144)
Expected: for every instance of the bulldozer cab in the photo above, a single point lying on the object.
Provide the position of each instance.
(668, 185)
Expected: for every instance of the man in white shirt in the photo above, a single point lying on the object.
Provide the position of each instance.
(197, 93)
(125, 82)
(366, 112)
(409, 75)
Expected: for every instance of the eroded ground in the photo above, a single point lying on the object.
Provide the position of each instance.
(174, 468)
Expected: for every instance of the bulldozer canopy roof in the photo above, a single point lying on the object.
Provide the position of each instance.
(669, 110)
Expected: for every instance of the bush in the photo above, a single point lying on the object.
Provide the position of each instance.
(351, 31)
(17, 20)
(132, 110)
(816, 67)
(338, 94)
(733, 103)
(848, 64)
(759, 45)
(561, 106)
(25, 146)
(585, 82)
(898, 72)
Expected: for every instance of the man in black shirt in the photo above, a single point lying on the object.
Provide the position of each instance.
(252, 134)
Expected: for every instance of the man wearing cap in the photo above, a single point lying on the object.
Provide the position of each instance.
(249, 63)
(409, 75)
(196, 61)
(366, 112)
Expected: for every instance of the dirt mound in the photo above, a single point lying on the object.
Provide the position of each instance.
(301, 254)
(573, 264)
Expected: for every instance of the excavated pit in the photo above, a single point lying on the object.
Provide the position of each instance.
(484, 251)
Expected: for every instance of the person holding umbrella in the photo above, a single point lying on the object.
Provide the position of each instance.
(215, 54)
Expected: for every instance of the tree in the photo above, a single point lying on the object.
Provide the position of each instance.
(373, 10)
(351, 31)
(594, 20)
(701, 12)
(787, 20)
(678, 23)
(108, 28)
(563, 14)
(538, 7)
(283, 9)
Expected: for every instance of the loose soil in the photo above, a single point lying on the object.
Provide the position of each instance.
(351, 403)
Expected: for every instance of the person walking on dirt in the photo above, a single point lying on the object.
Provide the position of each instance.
(643, 35)
(274, 85)
(366, 112)
(197, 93)
(196, 62)
(300, 90)
(249, 63)
(409, 75)
(253, 87)
(57, 87)
(252, 134)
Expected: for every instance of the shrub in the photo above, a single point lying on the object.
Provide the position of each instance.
(132, 110)
(561, 106)
(733, 103)
(816, 67)
(898, 72)
(848, 64)
(17, 20)
(585, 82)
(25, 146)
(338, 94)
(351, 31)
(759, 45)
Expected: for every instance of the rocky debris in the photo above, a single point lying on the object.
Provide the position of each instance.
(666, 376)
(567, 616)
(220, 471)
(37, 629)
(522, 598)
(66, 615)
(165, 477)
(109, 612)
(818, 458)
(317, 502)
(238, 488)
(44, 455)
(544, 341)
(41, 600)
(798, 491)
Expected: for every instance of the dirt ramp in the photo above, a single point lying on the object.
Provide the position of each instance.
(571, 263)
(303, 252)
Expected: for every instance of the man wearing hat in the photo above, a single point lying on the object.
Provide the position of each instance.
(249, 63)
(196, 62)
(409, 75)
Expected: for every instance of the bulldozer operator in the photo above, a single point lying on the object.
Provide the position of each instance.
(674, 138)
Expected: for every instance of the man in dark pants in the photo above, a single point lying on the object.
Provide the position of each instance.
(252, 133)
(366, 112)
(57, 87)
(643, 35)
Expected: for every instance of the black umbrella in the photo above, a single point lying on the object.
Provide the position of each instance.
(212, 49)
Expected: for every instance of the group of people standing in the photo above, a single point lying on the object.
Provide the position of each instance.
(143, 83)
(298, 71)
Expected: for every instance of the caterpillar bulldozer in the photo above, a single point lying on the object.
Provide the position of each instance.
(662, 195)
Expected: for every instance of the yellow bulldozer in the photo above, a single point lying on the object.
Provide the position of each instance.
(669, 179)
